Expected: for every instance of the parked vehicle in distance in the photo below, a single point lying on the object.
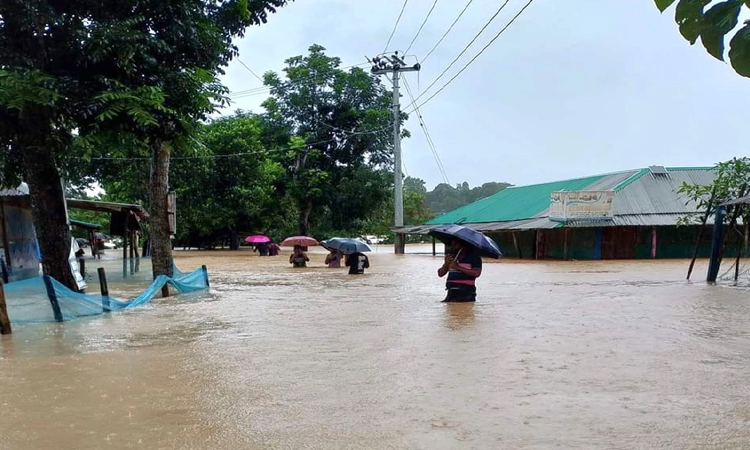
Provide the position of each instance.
(82, 243)
(374, 240)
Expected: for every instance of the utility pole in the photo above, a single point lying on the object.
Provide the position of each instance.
(393, 64)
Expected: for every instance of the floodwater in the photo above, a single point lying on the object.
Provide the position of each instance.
(578, 355)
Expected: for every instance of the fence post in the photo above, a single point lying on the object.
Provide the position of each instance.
(104, 289)
(716, 244)
(205, 275)
(53, 299)
(4, 319)
(4, 270)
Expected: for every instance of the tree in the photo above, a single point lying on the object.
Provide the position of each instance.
(416, 210)
(714, 26)
(44, 78)
(732, 181)
(186, 45)
(337, 126)
(237, 192)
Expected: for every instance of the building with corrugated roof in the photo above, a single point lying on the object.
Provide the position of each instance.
(622, 215)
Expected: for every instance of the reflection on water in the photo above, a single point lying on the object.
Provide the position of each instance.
(554, 355)
(459, 315)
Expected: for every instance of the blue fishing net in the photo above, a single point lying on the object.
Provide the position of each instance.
(28, 301)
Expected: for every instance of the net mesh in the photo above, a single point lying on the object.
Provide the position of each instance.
(130, 285)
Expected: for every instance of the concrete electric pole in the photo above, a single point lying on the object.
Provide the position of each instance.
(394, 65)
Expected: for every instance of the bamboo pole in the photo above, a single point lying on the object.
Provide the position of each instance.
(205, 275)
(700, 235)
(53, 299)
(515, 244)
(104, 289)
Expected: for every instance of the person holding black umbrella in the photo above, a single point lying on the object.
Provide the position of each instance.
(463, 265)
(357, 262)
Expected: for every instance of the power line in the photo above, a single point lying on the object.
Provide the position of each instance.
(250, 70)
(230, 155)
(395, 26)
(494, 16)
(449, 30)
(477, 55)
(421, 26)
(427, 136)
(266, 89)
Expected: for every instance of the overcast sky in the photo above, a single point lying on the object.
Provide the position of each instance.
(572, 88)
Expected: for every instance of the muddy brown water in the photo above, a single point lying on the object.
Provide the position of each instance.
(579, 355)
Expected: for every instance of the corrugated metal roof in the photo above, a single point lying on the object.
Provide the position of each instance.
(514, 203)
(657, 194)
(642, 198)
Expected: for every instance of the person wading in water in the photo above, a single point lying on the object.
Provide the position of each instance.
(463, 265)
(299, 258)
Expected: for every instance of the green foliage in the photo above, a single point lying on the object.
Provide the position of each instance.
(732, 181)
(714, 26)
(336, 125)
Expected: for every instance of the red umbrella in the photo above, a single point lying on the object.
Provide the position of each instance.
(303, 241)
(257, 239)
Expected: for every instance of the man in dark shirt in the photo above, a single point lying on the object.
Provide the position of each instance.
(463, 265)
(357, 263)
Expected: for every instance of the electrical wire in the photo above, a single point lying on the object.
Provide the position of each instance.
(475, 57)
(434, 82)
(426, 132)
(395, 26)
(449, 30)
(219, 156)
(266, 89)
(421, 26)
(250, 70)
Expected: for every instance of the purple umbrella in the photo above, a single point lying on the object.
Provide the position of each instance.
(257, 239)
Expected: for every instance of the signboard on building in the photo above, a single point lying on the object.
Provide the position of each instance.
(581, 205)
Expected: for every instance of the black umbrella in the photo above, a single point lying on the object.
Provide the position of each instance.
(474, 238)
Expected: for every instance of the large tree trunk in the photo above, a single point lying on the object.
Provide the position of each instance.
(47, 200)
(161, 247)
(304, 218)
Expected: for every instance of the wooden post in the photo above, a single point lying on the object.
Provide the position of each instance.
(82, 267)
(53, 299)
(165, 291)
(4, 275)
(515, 244)
(400, 244)
(536, 244)
(433, 246)
(653, 243)
(566, 245)
(125, 245)
(716, 244)
(131, 235)
(4, 319)
(136, 245)
(205, 275)
(104, 289)
(3, 229)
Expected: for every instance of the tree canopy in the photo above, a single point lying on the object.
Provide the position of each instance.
(336, 124)
(135, 74)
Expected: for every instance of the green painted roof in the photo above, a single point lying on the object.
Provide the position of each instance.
(525, 202)
(513, 203)
(83, 224)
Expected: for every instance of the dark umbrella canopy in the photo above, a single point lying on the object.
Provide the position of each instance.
(474, 238)
(346, 245)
